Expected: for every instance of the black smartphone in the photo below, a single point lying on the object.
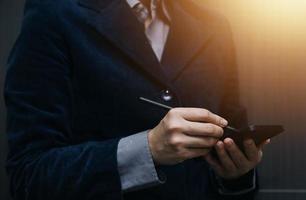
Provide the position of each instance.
(259, 133)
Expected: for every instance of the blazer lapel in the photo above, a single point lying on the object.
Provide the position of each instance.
(115, 20)
(186, 38)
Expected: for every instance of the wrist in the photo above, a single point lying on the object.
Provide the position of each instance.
(245, 181)
(152, 142)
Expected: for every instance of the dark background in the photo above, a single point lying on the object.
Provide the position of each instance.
(10, 19)
(271, 43)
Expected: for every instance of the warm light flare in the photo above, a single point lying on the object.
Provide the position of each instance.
(272, 20)
(283, 7)
(279, 12)
(270, 39)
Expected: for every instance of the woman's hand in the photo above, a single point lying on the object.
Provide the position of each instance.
(185, 133)
(232, 162)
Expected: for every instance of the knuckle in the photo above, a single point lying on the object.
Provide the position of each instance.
(173, 112)
(171, 122)
(175, 142)
(173, 126)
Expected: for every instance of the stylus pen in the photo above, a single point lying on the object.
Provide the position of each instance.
(169, 108)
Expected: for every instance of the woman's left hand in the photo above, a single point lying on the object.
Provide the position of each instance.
(232, 163)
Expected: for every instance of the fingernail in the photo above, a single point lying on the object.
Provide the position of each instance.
(224, 122)
(228, 141)
(219, 144)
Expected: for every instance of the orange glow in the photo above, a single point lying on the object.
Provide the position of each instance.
(280, 18)
(270, 36)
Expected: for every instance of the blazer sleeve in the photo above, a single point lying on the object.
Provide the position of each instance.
(43, 163)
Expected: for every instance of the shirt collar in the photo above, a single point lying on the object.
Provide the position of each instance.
(133, 3)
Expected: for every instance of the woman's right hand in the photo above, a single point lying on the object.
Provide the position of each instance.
(185, 133)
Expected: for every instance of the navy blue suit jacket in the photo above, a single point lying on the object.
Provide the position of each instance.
(72, 90)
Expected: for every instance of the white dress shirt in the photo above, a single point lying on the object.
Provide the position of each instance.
(158, 29)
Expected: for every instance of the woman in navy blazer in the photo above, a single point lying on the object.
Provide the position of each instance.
(72, 91)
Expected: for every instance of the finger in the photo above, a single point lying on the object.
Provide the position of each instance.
(260, 154)
(203, 129)
(198, 142)
(262, 145)
(251, 150)
(201, 115)
(236, 154)
(214, 163)
(224, 158)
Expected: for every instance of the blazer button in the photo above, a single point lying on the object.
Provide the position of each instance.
(166, 95)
